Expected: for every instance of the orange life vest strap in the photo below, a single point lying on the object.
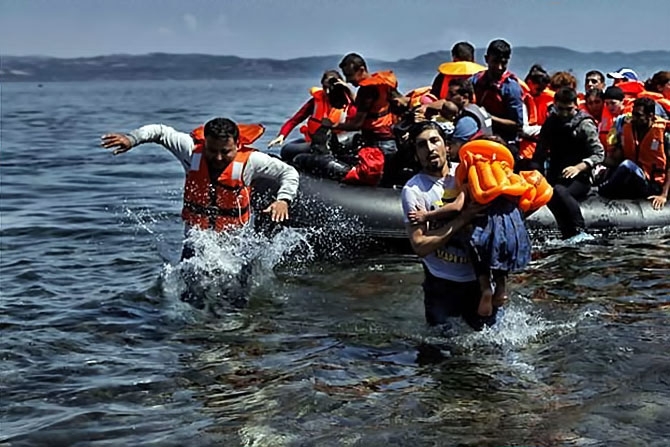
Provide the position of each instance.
(248, 133)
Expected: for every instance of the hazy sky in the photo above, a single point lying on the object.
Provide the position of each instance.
(383, 29)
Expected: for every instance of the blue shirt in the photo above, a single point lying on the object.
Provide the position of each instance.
(509, 105)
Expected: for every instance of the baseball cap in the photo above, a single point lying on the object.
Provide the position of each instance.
(623, 73)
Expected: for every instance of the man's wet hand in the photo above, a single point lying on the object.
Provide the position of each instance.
(277, 141)
(420, 114)
(570, 172)
(657, 202)
(117, 141)
(417, 217)
(277, 210)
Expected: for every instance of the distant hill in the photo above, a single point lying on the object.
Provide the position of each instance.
(160, 66)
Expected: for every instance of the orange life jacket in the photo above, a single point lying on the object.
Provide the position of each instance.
(538, 195)
(226, 203)
(488, 167)
(631, 89)
(444, 87)
(529, 102)
(649, 153)
(322, 109)
(379, 116)
(490, 96)
(542, 102)
(419, 96)
(606, 123)
(526, 145)
(658, 98)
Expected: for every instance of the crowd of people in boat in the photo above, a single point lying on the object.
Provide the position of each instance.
(612, 137)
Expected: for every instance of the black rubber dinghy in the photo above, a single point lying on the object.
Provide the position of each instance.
(377, 212)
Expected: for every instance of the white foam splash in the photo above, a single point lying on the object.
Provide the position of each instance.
(264, 436)
(220, 258)
(142, 219)
(517, 327)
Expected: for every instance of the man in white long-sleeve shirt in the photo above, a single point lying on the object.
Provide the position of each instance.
(219, 171)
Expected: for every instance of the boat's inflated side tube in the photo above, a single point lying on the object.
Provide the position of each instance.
(294, 148)
(322, 166)
(377, 212)
(374, 212)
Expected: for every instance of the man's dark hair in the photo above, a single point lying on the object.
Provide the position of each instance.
(465, 87)
(656, 82)
(614, 92)
(566, 95)
(331, 74)
(538, 75)
(600, 75)
(222, 129)
(499, 48)
(463, 51)
(354, 61)
(418, 128)
(648, 105)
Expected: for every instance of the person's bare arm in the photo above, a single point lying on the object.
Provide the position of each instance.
(442, 213)
(425, 241)
(659, 201)
(356, 123)
(504, 122)
(180, 144)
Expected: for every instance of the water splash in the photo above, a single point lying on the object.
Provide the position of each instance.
(222, 262)
(264, 436)
(335, 232)
(143, 219)
(517, 327)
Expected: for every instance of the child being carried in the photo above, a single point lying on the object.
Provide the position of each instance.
(499, 241)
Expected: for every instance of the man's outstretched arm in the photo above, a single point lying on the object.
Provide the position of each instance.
(179, 143)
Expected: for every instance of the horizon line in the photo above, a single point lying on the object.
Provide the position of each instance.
(44, 56)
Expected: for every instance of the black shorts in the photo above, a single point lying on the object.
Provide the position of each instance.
(444, 298)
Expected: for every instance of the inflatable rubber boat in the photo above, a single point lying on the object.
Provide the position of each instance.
(377, 212)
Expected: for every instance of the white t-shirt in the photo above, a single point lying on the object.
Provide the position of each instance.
(425, 192)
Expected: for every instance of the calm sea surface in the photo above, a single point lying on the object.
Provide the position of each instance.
(97, 350)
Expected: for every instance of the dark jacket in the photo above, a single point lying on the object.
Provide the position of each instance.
(568, 143)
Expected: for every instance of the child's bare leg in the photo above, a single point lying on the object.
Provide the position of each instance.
(500, 295)
(485, 308)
